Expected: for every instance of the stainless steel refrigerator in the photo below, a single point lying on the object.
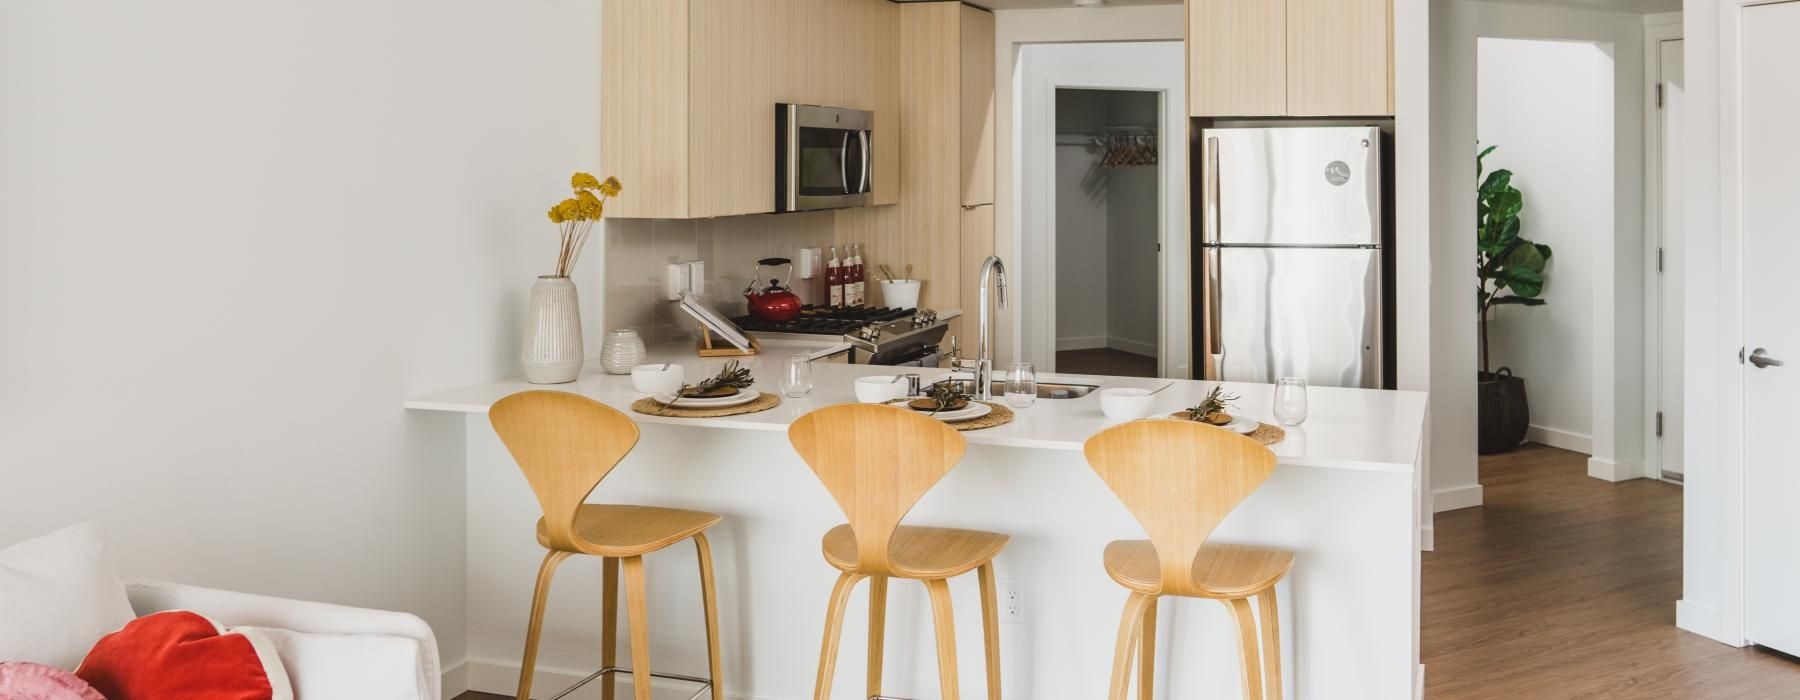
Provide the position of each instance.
(1291, 247)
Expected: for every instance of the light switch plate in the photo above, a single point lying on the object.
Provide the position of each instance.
(676, 281)
(809, 263)
(696, 279)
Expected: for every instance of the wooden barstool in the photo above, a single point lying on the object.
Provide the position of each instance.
(877, 461)
(566, 444)
(1180, 479)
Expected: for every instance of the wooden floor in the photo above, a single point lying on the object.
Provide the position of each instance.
(1564, 586)
(1105, 362)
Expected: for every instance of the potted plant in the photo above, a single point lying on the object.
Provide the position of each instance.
(553, 352)
(1509, 271)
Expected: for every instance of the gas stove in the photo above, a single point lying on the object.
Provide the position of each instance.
(877, 335)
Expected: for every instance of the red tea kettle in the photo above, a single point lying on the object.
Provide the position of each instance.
(775, 302)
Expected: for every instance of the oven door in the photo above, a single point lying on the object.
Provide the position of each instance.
(822, 157)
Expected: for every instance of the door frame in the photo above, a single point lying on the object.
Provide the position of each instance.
(1658, 28)
(1037, 231)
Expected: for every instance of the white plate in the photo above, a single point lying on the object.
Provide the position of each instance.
(974, 410)
(738, 399)
(1241, 425)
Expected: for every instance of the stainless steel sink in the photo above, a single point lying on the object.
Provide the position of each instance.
(1045, 390)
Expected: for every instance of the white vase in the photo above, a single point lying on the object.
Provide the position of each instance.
(552, 352)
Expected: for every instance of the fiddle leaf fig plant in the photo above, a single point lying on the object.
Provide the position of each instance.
(1509, 270)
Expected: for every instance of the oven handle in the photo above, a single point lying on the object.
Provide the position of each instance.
(844, 162)
(863, 138)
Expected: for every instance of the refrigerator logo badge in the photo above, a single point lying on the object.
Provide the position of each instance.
(1337, 173)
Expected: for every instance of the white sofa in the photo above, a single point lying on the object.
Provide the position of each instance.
(315, 673)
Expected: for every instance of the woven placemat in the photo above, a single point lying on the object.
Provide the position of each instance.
(651, 407)
(1264, 433)
(1001, 415)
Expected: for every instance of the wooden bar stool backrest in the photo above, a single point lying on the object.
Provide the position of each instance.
(565, 444)
(1179, 479)
(877, 462)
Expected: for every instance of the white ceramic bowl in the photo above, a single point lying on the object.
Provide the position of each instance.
(879, 389)
(1126, 404)
(657, 378)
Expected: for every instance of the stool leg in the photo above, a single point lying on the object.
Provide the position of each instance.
(1147, 654)
(638, 608)
(1271, 643)
(990, 628)
(609, 623)
(834, 627)
(946, 637)
(1127, 644)
(711, 599)
(877, 630)
(1240, 609)
(535, 627)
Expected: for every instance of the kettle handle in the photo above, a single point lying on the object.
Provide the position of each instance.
(775, 261)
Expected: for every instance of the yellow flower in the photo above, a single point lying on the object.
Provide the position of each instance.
(611, 187)
(556, 215)
(589, 207)
(584, 181)
(569, 210)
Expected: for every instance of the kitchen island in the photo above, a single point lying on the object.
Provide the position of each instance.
(1344, 498)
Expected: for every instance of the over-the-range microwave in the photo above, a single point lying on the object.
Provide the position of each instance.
(823, 157)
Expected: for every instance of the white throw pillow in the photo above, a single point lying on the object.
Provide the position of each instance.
(347, 666)
(59, 595)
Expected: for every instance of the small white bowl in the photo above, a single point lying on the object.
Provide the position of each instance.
(879, 389)
(1126, 404)
(657, 378)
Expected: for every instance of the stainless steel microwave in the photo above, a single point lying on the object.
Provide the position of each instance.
(823, 157)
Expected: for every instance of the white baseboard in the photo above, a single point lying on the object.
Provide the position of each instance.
(1703, 621)
(1608, 470)
(1419, 683)
(1560, 439)
(1428, 539)
(502, 678)
(1456, 498)
(455, 680)
(1081, 342)
(1135, 347)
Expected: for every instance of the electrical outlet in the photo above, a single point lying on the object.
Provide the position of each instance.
(676, 281)
(1012, 601)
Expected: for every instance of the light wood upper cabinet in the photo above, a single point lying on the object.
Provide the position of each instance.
(1255, 58)
(689, 89)
(977, 107)
(1237, 65)
(1338, 58)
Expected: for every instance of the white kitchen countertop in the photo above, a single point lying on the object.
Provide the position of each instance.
(1346, 428)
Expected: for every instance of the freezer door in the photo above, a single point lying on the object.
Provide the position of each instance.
(1301, 186)
(1294, 312)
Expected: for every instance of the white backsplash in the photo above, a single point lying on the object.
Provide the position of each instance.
(638, 252)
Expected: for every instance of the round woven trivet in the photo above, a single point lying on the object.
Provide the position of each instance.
(651, 407)
(1264, 433)
(1001, 415)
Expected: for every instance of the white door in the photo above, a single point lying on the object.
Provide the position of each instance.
(1674, 96)
(1771, 230)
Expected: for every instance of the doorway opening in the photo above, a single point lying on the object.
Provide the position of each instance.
(1101, 226)
(1107, 144)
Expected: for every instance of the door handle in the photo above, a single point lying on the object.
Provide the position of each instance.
(1761, 359)
(844, 162)
(863, 138)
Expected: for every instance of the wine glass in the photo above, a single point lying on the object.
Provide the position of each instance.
(1290, 401)
(1021, 385)
(796, 376)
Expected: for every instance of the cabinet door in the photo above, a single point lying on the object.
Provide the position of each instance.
(644, 106)
(1237, 66)
(1338, 58)
(977, 106)
(975, 243)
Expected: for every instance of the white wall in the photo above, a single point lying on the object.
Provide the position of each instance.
(1618, 428)
(1548, 106)
(234, 237)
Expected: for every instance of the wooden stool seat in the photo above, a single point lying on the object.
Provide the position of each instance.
(606, 530)
(921, 553)
(1222, 571)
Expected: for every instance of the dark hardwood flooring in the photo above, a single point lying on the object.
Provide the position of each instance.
(1562, 587)
(1106, 362)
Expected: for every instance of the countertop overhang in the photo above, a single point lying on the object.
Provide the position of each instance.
(1359, 429)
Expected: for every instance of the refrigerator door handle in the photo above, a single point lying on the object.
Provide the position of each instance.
(1211, 234)
(1215, 345)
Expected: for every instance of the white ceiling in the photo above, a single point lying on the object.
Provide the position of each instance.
(1633, 6)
